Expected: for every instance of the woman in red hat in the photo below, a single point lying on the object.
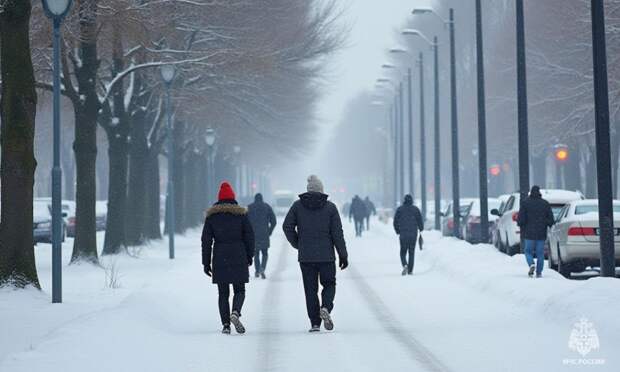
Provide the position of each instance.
(227, 251)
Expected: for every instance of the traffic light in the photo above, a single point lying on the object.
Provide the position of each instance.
(561, 153)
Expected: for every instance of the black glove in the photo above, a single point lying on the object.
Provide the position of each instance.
(207, 269)
(421, 243)
(344, 263)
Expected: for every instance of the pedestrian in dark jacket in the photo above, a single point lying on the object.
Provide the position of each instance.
(408, 222)
(313, 227)
(370, 211)
(227, 252)
(263, 223)
(535, 217)
(358, 212)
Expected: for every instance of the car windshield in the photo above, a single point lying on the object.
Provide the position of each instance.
(592, 208)
(556, 209)
(40, 210)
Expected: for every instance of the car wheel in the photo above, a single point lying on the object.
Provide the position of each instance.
(550, 262)
(563, 268)
(500, 244)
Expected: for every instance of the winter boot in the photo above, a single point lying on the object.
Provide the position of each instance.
(256, 274)
(226, 329)
(262, 275)
(538, 276)
(234, 318)
(315, 329)
(531, 272)
(405, 269)
(327, 319)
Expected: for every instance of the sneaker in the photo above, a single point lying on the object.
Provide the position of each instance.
(538, 276)
(404, 272)
(262, 275)
(410, 273)
(226, 329)
(327, 319)
(256, 274)
(234, 318)
(315, 329)
(531, 272)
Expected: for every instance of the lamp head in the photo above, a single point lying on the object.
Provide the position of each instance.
(388, 66)
(168, 72)
(411, 31)
(399, 50)
(57, 9)
(422, 10)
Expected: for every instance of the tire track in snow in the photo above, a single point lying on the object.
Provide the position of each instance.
(395, 329)
(271, 314)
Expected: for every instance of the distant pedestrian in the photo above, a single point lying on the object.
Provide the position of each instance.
(227, 252)
(263, 223)
(358, 212)
(313, 227)
(535, 217)
(408, 223)
(370, 211)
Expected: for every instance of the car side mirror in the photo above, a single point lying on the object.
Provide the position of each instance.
(495, 212)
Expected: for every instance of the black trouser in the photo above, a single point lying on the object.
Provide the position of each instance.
(368, 223)
(312, 273)
(224, 295)
(407, 245)
(261, 263)
(359, 226)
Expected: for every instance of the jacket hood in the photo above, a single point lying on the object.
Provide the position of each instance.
(408, 200)
(313, 200)
(258, 198)
(535, 192)
(227, 206)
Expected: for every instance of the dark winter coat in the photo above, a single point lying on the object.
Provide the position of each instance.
(313, 227)
(358, 210)
(535, 216)
(263, 221)
(408, 220)
(228, 243)
(370, 208)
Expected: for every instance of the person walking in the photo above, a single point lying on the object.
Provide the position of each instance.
(358, 212)
(263, 222)
(370, 211)
(408, 223)
(227, 252)
(313, 227)
(535, 217)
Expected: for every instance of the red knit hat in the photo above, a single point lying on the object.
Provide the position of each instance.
(226, 192)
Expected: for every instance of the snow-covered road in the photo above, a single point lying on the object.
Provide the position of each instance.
(467, 308)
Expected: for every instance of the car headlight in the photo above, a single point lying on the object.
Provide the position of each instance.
(44, 225)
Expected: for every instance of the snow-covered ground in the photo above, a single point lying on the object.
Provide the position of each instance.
(467, 308)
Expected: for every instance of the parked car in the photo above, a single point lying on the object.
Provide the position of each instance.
(41, 222)
(101, 210)
(509, 232)
(574, 239)
(283, 200)
(471, 221)
(447, 222)
(494, 228)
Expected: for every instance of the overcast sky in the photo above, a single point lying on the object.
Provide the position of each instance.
(373, 24)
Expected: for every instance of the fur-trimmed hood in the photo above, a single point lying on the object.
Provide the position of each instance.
(229, 208)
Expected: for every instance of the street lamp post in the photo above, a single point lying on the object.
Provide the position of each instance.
(411, 136)
(603, 146)
(482, 131)
(237, 151)
(168, 73)
(56, 10)
(524, 157)
(422, 138)
(454, 116)
(394, 131)
(401, 141)
(210, 139)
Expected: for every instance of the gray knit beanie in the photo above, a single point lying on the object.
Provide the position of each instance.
(315, 184)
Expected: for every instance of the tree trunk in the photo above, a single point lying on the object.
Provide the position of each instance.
(18, 108)
(615, 159)
(153, 220)
(591, 181)
(68, 171)
(136, 199)
(85, 143)
(179, 177)
(572, 172)
(539, 170)
(117, 193)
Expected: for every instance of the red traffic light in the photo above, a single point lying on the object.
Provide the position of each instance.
(495, 170)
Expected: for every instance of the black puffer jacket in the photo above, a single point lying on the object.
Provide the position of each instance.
(228, 242)
(408, 219)
(535, 216)
(358, 210)
(263, 221)
(313, 227)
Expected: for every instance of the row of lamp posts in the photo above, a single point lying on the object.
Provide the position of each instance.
(397, 124)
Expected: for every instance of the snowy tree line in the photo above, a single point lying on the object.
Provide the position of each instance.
(247, 69)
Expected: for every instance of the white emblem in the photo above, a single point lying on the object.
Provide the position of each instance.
(583, 338)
